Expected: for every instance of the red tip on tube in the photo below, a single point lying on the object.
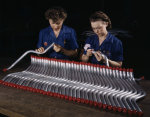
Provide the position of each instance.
(95, 103)
(78, 100)
(142, 78)
(140, 114)
(130, 112)
(100, 105)
(74, 99)
(119, 109)
(109, 107)
(124, 110)
(86, 101)
(91, 103)
(66, 97)
(4, 70)
(1, 81)
(135, 112)
(82, 100)
(114, 108)
(70, 98)
(104, 106)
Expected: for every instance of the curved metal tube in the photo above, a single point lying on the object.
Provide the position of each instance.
(105, 57)
(27, 52)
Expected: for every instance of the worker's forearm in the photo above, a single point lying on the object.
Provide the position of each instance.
(71, 53)
(85, 58)
(114, 63)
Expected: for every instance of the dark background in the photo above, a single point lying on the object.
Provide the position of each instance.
(21, 21)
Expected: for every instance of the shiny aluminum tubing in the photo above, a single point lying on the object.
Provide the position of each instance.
(104, 57)
(27, 52)
(102, 86)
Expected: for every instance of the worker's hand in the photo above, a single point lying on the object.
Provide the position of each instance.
(98, 56)
(57, 48)
(41, 49)
(89, 52)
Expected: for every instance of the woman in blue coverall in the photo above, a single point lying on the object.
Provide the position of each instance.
(102, 42)
(63, 36)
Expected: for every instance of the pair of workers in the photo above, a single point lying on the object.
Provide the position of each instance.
(65, 39)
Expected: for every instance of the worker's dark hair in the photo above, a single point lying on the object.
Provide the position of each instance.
(100, 16)
(56, 13)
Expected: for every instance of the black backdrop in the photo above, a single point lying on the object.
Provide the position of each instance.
(21, 21)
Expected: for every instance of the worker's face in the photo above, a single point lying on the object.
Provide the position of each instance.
(56, 25)
(99, 27)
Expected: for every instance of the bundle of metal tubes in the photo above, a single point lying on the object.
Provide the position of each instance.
(105, 87)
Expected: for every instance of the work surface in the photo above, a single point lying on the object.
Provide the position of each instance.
(19, 103)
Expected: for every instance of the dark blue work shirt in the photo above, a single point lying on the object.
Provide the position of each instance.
(111, 47)
(66, 39)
